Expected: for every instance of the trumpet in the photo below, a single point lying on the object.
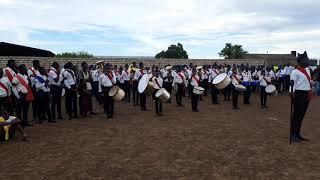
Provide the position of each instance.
(132, 69)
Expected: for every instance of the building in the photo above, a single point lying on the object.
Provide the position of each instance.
(275, 58)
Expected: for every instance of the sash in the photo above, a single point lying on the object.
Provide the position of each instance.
(157, 82)
(9, 75)
(197, 80)
(29, 96)
(301, 69)
(142, 73)
(4, 87)
(217, 73)
(237, 79)
(33, 72)
(110, 76)
(181, 77)
(40, 79)
(127, 72)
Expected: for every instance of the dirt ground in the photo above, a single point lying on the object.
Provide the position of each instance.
(216, 143)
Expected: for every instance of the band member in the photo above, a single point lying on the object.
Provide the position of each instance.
(126, 77)
(106, 81)
(33, 72)
(143, 96)
(227, 90)
(288, 69)
(205, 80)
(5, 93)
(157, 84)
(135, 83)
(301, 81)
(168, 79)
(194, 82)
(264, 82)
(85, 90)
(121, 80)
(95, 73)
(43, 95)
(188, 75)
(214, 91)
(10, 72)
(246, 77)
(179, 82)
(70, 84)
(8, 126)
(55, 82)
(235, 94)
(23, 93)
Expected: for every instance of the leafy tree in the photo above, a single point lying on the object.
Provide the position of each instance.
(173, 52)
(79, 54)
(233, 51)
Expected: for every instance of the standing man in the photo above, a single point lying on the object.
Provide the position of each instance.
(143, 96)
(205, 80)
(235, 80)
(106, 81)
(157, 84)
(194, 81)
(179, 83)
(300, 79)
(33, 72)
(95, 74)
(55, 82)
(168, 79)
(126, 77)
(70, 84)
(135, 83)
(5, 93)
(246, 77)
(227, 90)
(214, 91)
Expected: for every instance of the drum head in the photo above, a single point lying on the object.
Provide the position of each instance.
(113, 91)
(270, 88)
(159, 92)
(199, 88)
(143, 83)
(219, 78)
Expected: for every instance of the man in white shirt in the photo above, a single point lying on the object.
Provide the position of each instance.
(288, 69)
(5, 93)
(236, 80)
(179, 83)
(55, 82)
(33, 72)
(70, 83)
(300, 81)
(157, 85)
(95, 73)
(246, 80)
(126, 77)
(194, 81)
(227, 90)
(106, 81)
(205, 80)
(143, 96)
(264, 82)
(213, 72)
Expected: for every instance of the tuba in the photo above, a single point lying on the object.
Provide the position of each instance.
(132, 69)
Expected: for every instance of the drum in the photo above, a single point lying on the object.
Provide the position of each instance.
(163, 95)
(145, 85)
(271, 90)
(240, 88)
(221, 81)
(198, 90)
(117, 93)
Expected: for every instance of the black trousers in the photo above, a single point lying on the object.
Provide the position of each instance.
(95, 91)
(190, 88)
(168, 87)
(71, 102)
(247, 95)
(82, 102)
(205, 86)
(300, 106)
(286, 82)
(135, 93)
(127, 90)
(56, 92)
(143, 100)
(214, 95)
(43, 99)
(6, 103)
(158, 103)
(227, 92)
(179, 94)
(108, 102)
(23, 109)
(194, 101)
(263, 95)
(35, 106)
(235, 95)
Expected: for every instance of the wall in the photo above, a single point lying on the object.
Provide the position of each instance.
(46, 62)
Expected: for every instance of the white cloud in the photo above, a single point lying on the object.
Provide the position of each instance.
(277, 26)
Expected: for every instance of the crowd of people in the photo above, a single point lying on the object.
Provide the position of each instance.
(43, 89)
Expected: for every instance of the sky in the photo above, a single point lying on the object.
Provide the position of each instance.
(146, 27)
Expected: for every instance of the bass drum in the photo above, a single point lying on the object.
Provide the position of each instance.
(145, 86)
(221, 81)
(163, 95)
(240, 88)
(117, 93)
(271, 90)
(198, 90)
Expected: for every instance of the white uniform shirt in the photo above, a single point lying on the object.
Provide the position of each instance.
(195, 81)
(270, 74)
(95, 75)
(18, 87)
(212, 74)
(160, 82)
(246, 76)
(13, 74)
(105, 81)
(263, 81)
(235, 79)
(177, 79)
(5, 81)
(126, 75)
(41, 86)
(53, 75)
(70, 78)
(139, 73)
(204, 75)
(288, 70)
(301, 82)
(32, 73)
(189, 72)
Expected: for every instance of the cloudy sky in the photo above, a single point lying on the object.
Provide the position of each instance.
(145, 27)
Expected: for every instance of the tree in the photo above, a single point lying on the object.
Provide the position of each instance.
(79, 54)
(173, 52)
(233, 51)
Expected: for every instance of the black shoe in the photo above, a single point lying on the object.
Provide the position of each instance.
(27, 124)
(93, 113)
(302, 138)
(160, 114)
(60, 117)
(262, 106)
(39, 122)
(75, 117)
(265, 106)
(70, 117)
(52, 121)
(236, 108)
(295, 139)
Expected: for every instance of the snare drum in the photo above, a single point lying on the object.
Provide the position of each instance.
(221, 81)
(240, 88)
(271, 90)
(198, 90)
(163, 95)
(117, 93)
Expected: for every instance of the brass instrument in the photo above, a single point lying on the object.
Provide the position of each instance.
(132, 69)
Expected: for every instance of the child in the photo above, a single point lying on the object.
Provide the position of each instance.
(8, 125)
(264, 81)
(194, 81)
